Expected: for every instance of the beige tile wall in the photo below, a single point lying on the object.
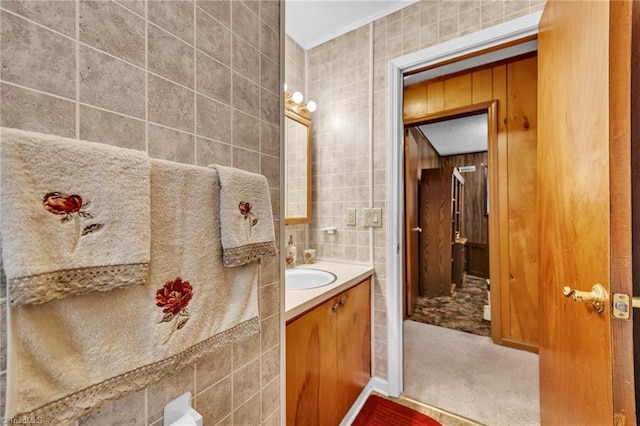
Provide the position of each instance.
(196, 83)
(295, 66)
(338, 79)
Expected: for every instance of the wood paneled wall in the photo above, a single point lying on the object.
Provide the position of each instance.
(429, 158)
(514, 86)
(522, 202)
(475, 227)
(440, 95)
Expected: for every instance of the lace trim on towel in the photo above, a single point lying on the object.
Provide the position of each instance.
(58, 284)
(70, 408)
(237, 256)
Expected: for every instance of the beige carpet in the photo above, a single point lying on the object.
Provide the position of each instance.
(470, 376)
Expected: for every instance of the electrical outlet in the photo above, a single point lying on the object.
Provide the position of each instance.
(351, 217)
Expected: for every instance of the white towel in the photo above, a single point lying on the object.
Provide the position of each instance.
(245, 216)
(75, 216)
(69, 356)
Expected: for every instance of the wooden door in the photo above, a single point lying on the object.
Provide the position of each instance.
(354, 345)
(412, 235)
(584, 216)
(435, 240)
(312, 367)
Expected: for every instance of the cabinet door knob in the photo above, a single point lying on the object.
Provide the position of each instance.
(343, 302)
(334, 307)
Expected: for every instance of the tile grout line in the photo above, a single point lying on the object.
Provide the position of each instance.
(195, 88)
(232, 157)
(167, 32)
(146, 143)
(68, 37)
(133, 117)
(233, 369)
(77, 73)
(3, 302)
(260, 288)
(145, 67)
(146, 77)
(77, 78)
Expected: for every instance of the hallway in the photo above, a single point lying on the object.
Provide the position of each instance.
(468, 375)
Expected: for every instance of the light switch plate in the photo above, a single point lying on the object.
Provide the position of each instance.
(351, 217)
(372, 217)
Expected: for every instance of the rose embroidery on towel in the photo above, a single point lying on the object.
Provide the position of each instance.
(245, 211)
(173, 298)
(70, 207)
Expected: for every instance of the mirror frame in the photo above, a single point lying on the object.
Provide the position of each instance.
(296, 114)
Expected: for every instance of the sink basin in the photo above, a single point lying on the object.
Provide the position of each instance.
(302, 279)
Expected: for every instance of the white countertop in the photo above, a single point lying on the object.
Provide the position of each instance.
(347, 275)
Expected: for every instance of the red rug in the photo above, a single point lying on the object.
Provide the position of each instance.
(378, 411)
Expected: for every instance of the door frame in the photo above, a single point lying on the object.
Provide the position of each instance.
(490, 38)
(623, 135)
(491, 109)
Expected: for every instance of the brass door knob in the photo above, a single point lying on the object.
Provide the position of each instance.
(597, 296)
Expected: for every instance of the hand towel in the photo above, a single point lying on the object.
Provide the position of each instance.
(245, 216)
(70, 355)
(74, 216)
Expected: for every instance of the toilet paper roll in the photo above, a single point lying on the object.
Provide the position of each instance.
(186, 420)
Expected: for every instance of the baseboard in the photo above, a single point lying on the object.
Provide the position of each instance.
(519, 345)
(379, 385)
(375, 385)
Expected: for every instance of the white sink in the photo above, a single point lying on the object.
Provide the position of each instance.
(302, 279)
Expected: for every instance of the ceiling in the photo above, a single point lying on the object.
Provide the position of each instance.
(462, 135)
(313, 22)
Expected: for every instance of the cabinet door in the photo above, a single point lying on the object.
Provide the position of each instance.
(354, 345)
(312, 367)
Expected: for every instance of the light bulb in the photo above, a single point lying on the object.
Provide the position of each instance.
(285, 87)
(311, 106)
(297, 97)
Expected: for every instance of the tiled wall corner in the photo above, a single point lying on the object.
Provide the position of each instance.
(196, 82)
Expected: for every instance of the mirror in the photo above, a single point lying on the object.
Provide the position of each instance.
(297, 157)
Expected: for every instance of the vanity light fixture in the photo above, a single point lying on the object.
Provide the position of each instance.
(311, 106)
(295, 102)
(297, 97)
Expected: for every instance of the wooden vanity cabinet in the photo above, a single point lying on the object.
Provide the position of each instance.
(329, 358)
